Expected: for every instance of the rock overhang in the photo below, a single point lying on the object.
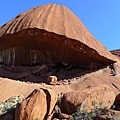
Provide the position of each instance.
(55, 35)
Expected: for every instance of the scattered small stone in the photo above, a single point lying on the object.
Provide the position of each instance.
(42, 70)
(55, 119)
(64, 116)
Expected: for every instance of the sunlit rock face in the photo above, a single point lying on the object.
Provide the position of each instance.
(116, 52)
(50, 34)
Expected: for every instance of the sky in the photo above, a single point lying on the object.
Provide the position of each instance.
(101, 17)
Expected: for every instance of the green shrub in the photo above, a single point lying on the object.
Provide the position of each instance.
(9, 104)
(95, 112)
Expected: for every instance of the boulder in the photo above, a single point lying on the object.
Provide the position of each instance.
(52, 80)
(34, 106)
(42, 70)
(71, 100)
(88, 99)
(38, 105)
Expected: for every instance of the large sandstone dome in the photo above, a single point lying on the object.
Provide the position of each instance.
(50, 34)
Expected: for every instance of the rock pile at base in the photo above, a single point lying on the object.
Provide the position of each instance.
(45, 104)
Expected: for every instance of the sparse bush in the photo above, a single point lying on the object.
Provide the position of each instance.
(36, 119)
(95, 112)
(9, 104)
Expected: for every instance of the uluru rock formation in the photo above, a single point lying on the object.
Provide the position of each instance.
(50, 34)
(116, 52)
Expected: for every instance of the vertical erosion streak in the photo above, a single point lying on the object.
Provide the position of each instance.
(39, 16)
(24, 22)
(42, 18)
(63, 47)
(48, 25)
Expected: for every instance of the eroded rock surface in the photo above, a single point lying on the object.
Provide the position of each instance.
(38, 105)
(35, 38)
(89, 98)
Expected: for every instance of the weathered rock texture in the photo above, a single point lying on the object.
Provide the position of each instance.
(116, 52)
(38, 105)
(100, 96)
(32, 107)
(50, 33)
